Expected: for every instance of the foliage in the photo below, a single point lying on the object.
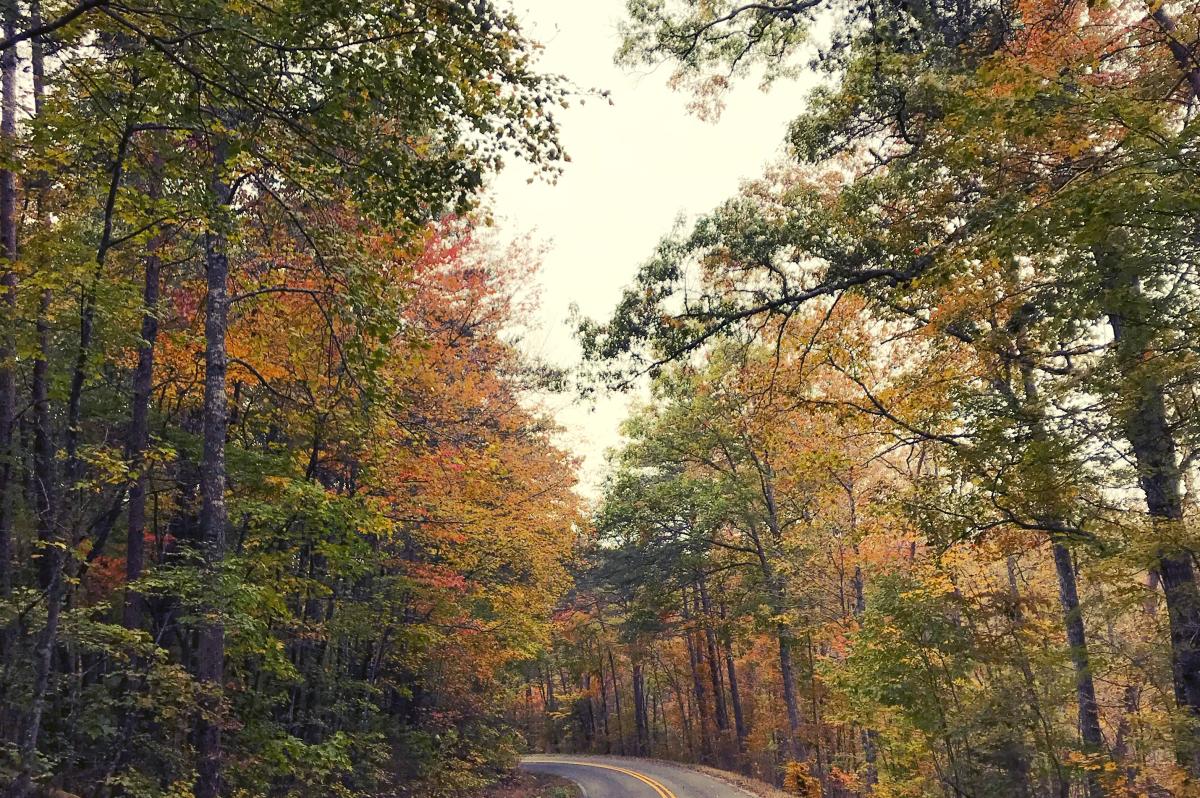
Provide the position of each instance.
(398, 514)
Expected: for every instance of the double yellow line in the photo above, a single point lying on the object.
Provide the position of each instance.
(658, 787)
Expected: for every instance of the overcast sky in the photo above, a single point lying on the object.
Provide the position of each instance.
(635, 166)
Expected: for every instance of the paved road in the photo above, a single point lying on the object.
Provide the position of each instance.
(621, 777)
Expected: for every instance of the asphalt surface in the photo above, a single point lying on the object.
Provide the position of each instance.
(626, 777)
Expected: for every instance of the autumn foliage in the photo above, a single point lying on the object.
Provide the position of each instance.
(911, 509)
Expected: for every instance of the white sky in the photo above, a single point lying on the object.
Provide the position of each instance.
(635, 166)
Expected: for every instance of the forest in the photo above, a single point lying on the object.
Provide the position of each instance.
(905, 505)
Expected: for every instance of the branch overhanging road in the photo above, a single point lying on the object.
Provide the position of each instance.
(622, 777)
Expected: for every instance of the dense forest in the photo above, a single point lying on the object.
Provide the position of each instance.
(905, 508)
(276, 513)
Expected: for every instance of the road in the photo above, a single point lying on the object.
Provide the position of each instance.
(620, 777)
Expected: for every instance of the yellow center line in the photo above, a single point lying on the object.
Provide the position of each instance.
(658, 787)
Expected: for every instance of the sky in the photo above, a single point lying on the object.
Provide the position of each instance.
(636, 166)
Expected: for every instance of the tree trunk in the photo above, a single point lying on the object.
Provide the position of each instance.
(1148, 430)
(139, 440)
(1017, 758)
(735, 698)
(639, 710)
(51, 567)
(213, 514)
(8, 282)
(796, 751)
(714, 667)
(612, 668)
(705, 726)
(870, 737)
(1085, 688)
(1068, 590)
(604, 707)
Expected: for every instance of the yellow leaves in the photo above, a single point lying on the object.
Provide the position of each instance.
(797, 780)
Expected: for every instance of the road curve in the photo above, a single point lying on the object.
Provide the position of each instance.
(626, 777)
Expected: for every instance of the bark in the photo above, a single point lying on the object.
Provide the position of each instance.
(213, 513)
(705, 725)
(870, 737)
(735, 697)
(1185, 56)
(8, 283)
(639, 710)
(714, 667)
(1068, 591)
(51, 567)
(139, 441)
(1085, 688)
(796, 751)
(612, 668)
(1148, 430)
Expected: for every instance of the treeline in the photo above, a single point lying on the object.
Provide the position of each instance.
(911, 508)
(277, 516)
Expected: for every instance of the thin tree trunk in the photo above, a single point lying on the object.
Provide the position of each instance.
(1017, 760)
(1131, 698)
(639, 710)
(8, 282)
(796, 751)
(870, 737)
(604, 706)
(1068, 590)
(693, 650)
(1085, 688)
(714, 668)
(45, 502)
(45, 487)
(735, 699)
(612, 668)
(139, 440)
(213, 514)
